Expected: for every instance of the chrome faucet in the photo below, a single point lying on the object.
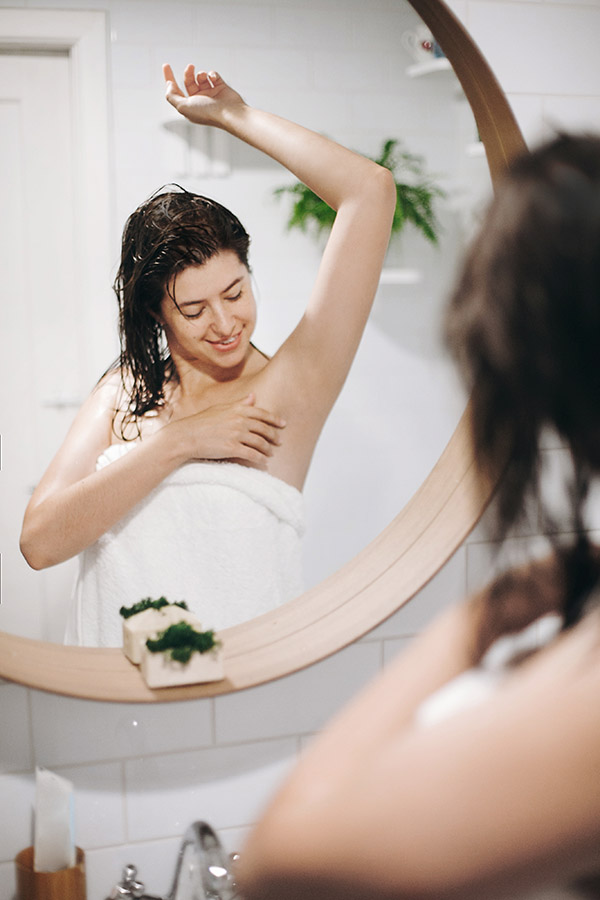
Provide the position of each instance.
(203, 871)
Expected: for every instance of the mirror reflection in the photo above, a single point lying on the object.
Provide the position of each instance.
(399, 404)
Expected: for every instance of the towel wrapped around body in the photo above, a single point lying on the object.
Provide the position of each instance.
(224, 537)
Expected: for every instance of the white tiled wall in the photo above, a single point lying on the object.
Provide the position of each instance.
(142, 773)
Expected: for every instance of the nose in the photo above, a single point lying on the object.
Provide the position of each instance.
(222, 321)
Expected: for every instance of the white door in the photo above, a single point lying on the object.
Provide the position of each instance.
(40, 363)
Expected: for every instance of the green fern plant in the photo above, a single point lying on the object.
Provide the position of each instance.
(415, 201)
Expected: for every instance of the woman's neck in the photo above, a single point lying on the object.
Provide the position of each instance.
(192, 381)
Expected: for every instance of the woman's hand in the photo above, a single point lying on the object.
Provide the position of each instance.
(207, 96)
(237, 431)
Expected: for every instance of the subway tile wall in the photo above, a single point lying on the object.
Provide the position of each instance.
(141, 773)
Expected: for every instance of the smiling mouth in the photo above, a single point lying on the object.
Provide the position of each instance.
(228, 344)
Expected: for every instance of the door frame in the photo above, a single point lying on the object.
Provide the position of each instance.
(84, 36)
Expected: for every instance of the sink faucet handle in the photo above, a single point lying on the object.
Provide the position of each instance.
(128, 888)
(233, 859)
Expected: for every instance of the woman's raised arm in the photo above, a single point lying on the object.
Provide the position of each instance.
(363, 194)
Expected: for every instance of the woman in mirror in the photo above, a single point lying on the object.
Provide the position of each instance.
(191, 390)
(470, 768)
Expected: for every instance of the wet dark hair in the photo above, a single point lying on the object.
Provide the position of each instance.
(524, 325)
(170, 231)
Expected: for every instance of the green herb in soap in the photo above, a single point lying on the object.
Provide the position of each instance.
(148, 603)
(179, 641)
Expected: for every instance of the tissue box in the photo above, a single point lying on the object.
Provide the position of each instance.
(159, 670)
(147, 624)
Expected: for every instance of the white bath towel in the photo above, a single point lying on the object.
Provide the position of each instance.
(224, 537)
(477, 685)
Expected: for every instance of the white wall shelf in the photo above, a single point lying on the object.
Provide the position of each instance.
(400, 276)
(436, 64)
(475, 149)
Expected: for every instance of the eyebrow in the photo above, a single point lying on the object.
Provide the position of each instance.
(202, 300)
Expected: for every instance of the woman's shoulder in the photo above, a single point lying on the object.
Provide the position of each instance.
(117, 391)
(111, 396)
(107, 394)
(112, 386)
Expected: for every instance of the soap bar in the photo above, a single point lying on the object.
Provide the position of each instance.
(159, 670)
(147, 624)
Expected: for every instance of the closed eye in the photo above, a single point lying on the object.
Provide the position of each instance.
(195, 315)
(200, 307)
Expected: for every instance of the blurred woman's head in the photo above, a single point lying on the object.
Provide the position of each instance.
(524, 320)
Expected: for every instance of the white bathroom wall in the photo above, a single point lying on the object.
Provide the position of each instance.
(142, 773)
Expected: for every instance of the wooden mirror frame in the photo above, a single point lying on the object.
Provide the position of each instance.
(382, 577)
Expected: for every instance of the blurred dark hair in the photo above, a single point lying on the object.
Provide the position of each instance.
(170, 231)
(524, 325)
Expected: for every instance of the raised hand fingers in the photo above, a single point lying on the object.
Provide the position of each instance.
(199, 82)
(189, 79)
(170, 79)
(206, 80)
(173, 93)
(192, 83)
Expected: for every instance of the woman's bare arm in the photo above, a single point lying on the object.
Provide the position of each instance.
(73, 505)
(316, 358)
(487, 804)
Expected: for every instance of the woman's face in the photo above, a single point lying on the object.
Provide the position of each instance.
(214, 313)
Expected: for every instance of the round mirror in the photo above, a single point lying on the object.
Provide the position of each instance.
(374, 583)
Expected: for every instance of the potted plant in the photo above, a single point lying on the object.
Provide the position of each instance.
(415, 191)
